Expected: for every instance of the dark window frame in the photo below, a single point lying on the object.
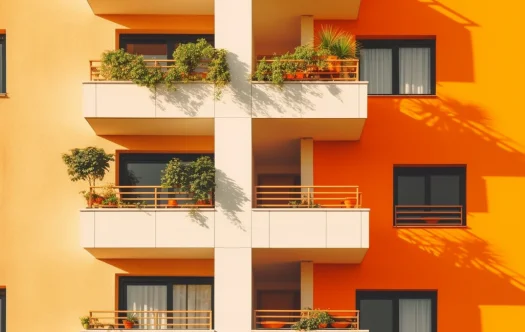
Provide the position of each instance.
(124, 281)
(124, 158)
(395, 45)
(170, 39)
(427, 172)
(3, 321)
(395, 296)
(3, 63)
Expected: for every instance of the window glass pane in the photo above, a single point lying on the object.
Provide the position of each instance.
(415, 315)
(414, 70)
(2, 70)
(180, 302)
(444, 190)
(410, 190)
(376, 315)
(148, 298)
(376, 68)
(149, 51)
(1, 314)
(199, 298)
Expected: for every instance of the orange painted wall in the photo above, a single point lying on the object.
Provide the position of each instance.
(476, 119)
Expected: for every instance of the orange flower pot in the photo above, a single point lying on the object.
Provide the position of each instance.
(340, 325)
(323, 326)
(172, 203)
(128, 325)
(348, 202)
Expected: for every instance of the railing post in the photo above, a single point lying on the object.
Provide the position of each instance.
(155, 198)
(308, 197)
(357, 198)
(156, 319)
(90, 197)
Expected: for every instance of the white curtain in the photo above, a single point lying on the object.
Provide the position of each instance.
(414, 315)
(148, 298)
(199, 298)
(191, 297)
(376, 68)
(414, 70)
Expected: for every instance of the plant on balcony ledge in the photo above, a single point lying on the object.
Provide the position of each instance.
(122, 66)
(89, 164)
(130, 321)
(196, 178)
(84, 320)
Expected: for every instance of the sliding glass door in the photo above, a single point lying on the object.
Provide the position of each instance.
(2, 310)
(168, 294)
(397, 311)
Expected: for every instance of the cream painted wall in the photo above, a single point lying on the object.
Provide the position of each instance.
(50, 277)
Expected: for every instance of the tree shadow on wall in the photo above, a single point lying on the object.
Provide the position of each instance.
(230, 198)
(188, 97)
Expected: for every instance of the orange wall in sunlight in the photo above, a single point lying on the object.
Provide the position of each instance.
(478, 271)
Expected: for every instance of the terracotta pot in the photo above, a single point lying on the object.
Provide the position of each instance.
(128, 325)
(432, 221)
(323, 326)
(289, 76)
(99, 200)
(85, 326)
(172, 203)
(340, 325)
(333, 65)
(204, 75)
(272, 325)
(348, 202)
(299, 75)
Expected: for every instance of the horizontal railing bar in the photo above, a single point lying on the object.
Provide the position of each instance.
(313, 187)
(429, 206)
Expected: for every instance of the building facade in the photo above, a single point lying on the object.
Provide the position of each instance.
(384, 195)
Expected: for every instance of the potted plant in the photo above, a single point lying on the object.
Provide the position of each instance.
(88, 164)
(130, 320)
(175, 175)
(338, 44)
(306, 324)
(84, 320)
(202, 179)
(323, 318)
(110, 196)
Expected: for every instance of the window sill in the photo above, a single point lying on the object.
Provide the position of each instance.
(4, 95)
(403, 96)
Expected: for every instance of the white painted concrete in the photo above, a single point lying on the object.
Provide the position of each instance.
(128, 100)
(307, 285)
(346, 100)
(237, 39)
(147, 228)
(233, 195)
(310, 228)
(233, 289)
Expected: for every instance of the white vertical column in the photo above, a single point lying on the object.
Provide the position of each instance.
(307, 30)
(307, 163)
(233, 290)
(233, 32)
(307, 285)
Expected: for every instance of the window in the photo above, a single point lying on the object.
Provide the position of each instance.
(397, 311)
(429, 195)
(399, 67)
(2, 310)
(157, 46)
(145, 169)
(165, 294)
(2, 65)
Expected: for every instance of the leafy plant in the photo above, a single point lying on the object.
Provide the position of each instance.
(122, 66)
(84, 320)
(197, 178)
(131, 317)
(110, 195)
(294, 204)
(323, 317)
(306, 323)
(263, 71)
(337, 42)
(202, 178)
(175, 175)
(89, 164)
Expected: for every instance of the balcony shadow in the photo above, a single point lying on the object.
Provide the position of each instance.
(270, 100)
(428, 18)
(230, 198)
(188, 97)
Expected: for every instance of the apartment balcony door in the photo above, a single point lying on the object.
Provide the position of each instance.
(2, 310)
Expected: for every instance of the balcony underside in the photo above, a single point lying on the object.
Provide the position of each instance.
(152, 7)
(267, 257)
(139, 126)
(152, 253)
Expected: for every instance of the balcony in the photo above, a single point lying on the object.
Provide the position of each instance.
(308, 217)
(286, 319)
(156, 320)
(148, 222)
(125, 108)
(152, 7)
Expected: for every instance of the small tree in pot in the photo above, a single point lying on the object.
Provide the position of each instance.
(202, 179)
(89, 164)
